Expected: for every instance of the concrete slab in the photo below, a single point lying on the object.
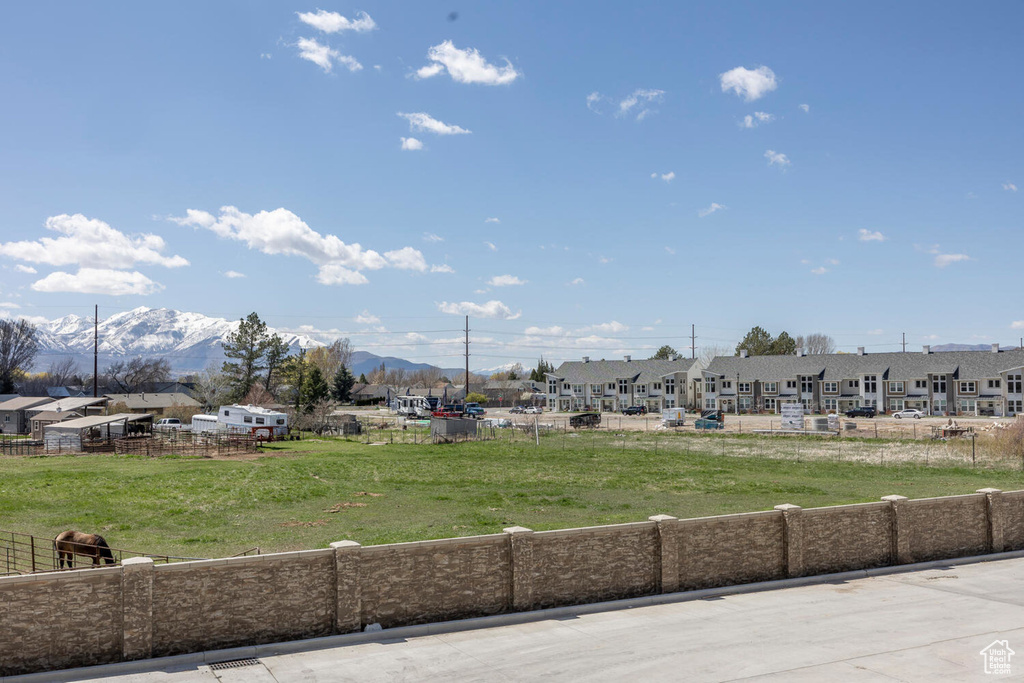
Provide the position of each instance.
(923, 626)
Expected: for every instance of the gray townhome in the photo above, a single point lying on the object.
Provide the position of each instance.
(612, 385)
(944, 383)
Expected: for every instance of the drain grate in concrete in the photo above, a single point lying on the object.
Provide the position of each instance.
(234, 664)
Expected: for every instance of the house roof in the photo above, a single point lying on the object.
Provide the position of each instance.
(24, 402)
(54, 416)
(891, 365)
(73, 403)
(151, 400)
(639, 371)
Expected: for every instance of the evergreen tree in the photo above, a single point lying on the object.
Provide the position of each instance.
(314, 389)
(362, 378)
(245, 349)
(757, 343)
(341, 391)
(664, 353)
(784, 345)
(277, 351)
(537, 374)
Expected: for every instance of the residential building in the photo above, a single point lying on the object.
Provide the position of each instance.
(943, 383)
(153, 403)
(608, 386)
(14, 413)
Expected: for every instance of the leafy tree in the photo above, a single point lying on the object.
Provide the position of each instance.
(341, 390)
(784, 345)
(330, 358)
(18, 347)
(136, 374)
(277, 351)
(757, 343)
(664, 353)
(314, 389)
(475, 397)
(537, 374)
(245, 348)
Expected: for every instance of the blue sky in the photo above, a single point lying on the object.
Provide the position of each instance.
(580, 178)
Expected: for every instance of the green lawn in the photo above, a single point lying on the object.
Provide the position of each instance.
(281, 500)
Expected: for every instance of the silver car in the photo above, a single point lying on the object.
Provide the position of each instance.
(908, 412)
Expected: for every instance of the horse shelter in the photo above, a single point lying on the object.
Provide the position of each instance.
(77, 435)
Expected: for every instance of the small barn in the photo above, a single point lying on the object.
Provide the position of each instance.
(73, 435)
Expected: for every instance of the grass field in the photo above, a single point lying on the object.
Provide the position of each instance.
(308, 493)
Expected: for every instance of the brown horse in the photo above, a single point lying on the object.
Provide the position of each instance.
(71, 543)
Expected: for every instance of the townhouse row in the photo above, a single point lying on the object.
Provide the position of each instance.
(945, 383)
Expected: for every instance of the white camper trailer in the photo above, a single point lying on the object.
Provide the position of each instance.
(253, 420)
(205, 424)
(413, 406)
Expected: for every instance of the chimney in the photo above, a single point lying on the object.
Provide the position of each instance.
(743, 353)
(926, 349)
(673, 357)
(995, 348)
(586, 359)
(860, 350)
(799, 350)
(628, 358)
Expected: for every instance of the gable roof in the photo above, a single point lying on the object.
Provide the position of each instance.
(73, 403)
(638, 371)
(24, 402)
(151, 400)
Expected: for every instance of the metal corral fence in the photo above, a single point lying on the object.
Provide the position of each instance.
(27, 554)
(188, 444)
(16, 445)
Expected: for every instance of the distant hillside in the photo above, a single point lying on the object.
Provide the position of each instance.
(366, 362)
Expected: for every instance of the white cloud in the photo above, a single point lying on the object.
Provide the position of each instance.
(711, 209)
(943, 260)
(266, 55)
(1017, 325)
(554, 330)
(281, 232)
(876, 331)
(605, 259)
(491, 309)
(1010, 187)
(334, 274)
(325, 56)
(431, 237)
(367, 318)
(832, 262)
(865, 235)
(491, 246)
(578, 281)
(505, 281)
(492, 220)
(757, 118)
(233, 274)
(98, 281)
(466, 66)
(777, 158)
(670, 250)
(406, 258)
(820, 270)
(411, 144)
(9, 304)
(667, 177)
(91, 243)
(332, 22)
(806, 108)
(25, 269)
(749, 84)
(613, 327)
(592, 101)
(640, 97)
(443, 268)
(425, 122)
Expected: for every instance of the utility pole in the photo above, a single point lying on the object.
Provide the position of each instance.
(96, 353)
(467, 357)
(693, 341)
(904, 342)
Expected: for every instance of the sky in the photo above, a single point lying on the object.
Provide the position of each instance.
(579, 178)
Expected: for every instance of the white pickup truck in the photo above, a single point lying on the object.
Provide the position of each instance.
(168, 424)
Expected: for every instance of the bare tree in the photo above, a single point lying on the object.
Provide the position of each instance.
(64, 371)
(708, 353)
(816, 343)
(135, 374)
(426, 377)
(212, 387)
(396, 380)
(18, 346)
(330, 358)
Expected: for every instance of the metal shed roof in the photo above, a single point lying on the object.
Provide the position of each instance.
(97, 421)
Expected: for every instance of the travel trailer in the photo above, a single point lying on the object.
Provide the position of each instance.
(413, 406)
(253, 420)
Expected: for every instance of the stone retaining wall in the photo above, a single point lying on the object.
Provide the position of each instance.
(140, 610)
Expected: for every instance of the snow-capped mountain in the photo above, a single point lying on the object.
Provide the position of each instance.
(189, 341)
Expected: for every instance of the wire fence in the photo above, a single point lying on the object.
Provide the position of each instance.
(27, 554)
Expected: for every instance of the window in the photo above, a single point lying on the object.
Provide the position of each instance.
(896, 388)
(938, 385)
(871, 384)
(670, 386)
(1013, 384)
(769, 404)
(744, 387)
(566, 386)
(791, 384)
(1014, 407)
(280, 420)
(577, 388)
(830, 403)
(938, 406)
(260, 420)
(640, 389)
(657, 386)
(552, 386)
(994, 384)
(7, 417)
(745, 402)
(806, 385)
(611, 386)
(247, 419)
(596, 389)
(896, 404)
(709, 404)
(709, 385)
(771, 388)
(623, 386)
(806, 403)
(968, 405)
(227, 412)
(871, 402)
(920, 384)
(727, 384)
(968, 387)
(830, 387)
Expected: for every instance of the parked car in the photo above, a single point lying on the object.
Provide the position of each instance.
(908, 412)
(474, 410)
(517, 409)
(585, 420)
(533, 410)
(862, 411)
(168, 424)
(635, 410)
